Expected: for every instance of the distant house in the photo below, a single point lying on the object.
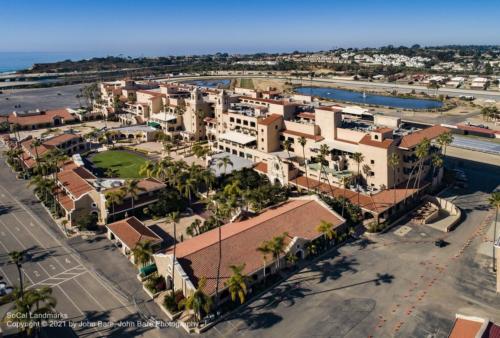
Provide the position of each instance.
(479, 83)
(197, 257)
(41, 119)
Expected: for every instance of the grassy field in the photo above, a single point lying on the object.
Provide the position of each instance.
(125, 163)
(246, 83)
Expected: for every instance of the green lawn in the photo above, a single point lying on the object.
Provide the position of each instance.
(125, 163)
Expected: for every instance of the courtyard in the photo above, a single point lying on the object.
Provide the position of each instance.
(122, 163)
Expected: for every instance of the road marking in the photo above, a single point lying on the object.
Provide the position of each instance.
(23, 247)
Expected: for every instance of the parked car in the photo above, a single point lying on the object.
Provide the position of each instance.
(441, 243)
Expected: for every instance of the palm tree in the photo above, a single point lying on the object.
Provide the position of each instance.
(287, 145)
(148, 169)
(494, 201)
(444, 140)
(324, 150)
(394, 163)
(326, 228)
(198, 301)
(345, 181)
(114, 198)
(17, 257)
(132, 188)
(367, 171)
(174, 217)
(276, 247)
(188, 188)
(237, 283)
(437, 162)
(167, 146)
(302, 141)
(224, 162)
(422, 151)
(35, 144)
(265, 251)
(358, 158)
(142, 252)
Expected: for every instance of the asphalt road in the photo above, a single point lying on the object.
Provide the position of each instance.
(474, 144)
(39, 98)
(397, 284)
(81, 294)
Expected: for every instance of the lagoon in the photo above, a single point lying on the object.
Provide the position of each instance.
(358, 97)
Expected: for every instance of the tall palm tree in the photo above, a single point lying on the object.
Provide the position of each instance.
(326, 228)
(198, 301)
(265, 251)
(437, 162)
(174, 217)
(394, 163)
(17, 257)
(221, 213)
(444, 140)
(494, 201)
(142, 252)
(302, 141)
(188, 188)
(35, 144)
(324, 151)
(237, 283)
(224, 162)
(358, 158)
(345, 181)
(276, 247)
(114, 198)
(422, 151)
(147, 169)
(367, 171)
(132, 188)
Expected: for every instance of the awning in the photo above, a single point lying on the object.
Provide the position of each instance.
(154, 124)
(236, 137)
(147, 270)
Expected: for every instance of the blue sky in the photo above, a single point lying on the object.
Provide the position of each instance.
(190, 27)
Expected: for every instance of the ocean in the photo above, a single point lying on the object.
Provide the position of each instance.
(14, 61)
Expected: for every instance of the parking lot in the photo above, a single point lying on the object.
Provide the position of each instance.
(39, 98)
(398, 284)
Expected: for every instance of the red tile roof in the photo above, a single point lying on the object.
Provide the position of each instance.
(270, 119)
(132, 231)
(41, 118)
(367, 140)
(240, 240)
(376, 203)
(478, 129)
(465, 328)
(307, 115)
(75, 181)
(411, 140)
(309, 136)
(261, 166)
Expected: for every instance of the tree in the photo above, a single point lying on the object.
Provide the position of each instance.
(265, 251)
(35, 144)
(394, 163)
(437, 162)
(114, 198)
(422, 151)
(358, 158)
(302, 141)
(224, 162)
(17, 257)
(198, 301)
(324, 150)
(132, 188)
(237, 283)
(276, 247)
(345, 181)
(367, 171)
(30, 309)
(444, 140)
(494, 201)
(174, 217)
(142, 252)
(326, 229)
(148, 169)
